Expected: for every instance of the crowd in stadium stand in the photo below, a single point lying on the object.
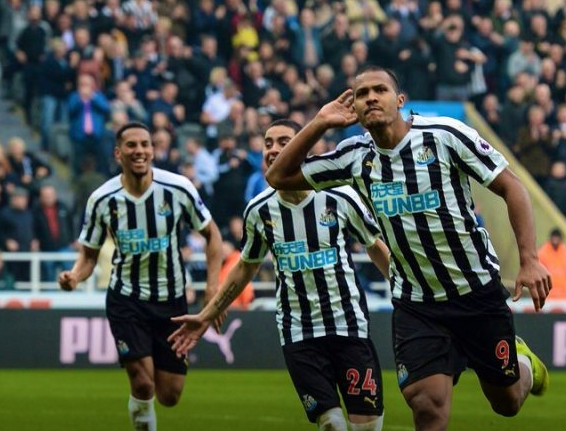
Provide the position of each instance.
(208, 76)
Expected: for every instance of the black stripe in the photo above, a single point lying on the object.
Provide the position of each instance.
(299, 284)
(281, 287)
(333, 175)
(93, 215)
(401, 239)
(338, 153)
(464, 139)
(135, 265)
(421, 223)
(255, 248)
(313, 243)
(170, 268)
(118, 256)
(254, 203)
(464, 166)
(345, 296)
(363, 301)
(151, 225)
(470, 222)
(446, 219)
(366, 169)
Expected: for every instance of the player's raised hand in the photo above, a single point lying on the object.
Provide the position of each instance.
(67, 280)
(536, 278)
(340, 112)
(189, 333)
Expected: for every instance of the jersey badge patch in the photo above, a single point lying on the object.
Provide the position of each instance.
(483, 147)
(425, 157)
(328, 218)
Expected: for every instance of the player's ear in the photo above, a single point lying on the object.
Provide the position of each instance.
(400, 100)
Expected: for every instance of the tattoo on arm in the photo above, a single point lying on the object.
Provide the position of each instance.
(226, 298)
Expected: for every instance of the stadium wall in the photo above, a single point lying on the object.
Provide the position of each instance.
(82, 339)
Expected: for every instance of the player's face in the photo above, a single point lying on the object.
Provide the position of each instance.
(375, 100)
(135, 152)
(276, 138)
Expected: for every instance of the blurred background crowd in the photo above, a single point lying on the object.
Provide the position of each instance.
(208, 76)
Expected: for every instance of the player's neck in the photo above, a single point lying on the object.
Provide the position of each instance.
(388, 137)
(135, 185)
(293, 196)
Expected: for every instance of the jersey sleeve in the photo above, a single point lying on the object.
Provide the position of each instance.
(93, 233)
(195, 212)
(253, 245)
(361, 223)
(475, 156)
(334, 168)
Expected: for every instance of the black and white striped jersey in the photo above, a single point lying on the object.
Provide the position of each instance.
(147, 262)
(317, 291)
(420, 194)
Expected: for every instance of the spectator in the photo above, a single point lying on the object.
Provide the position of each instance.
(524, 59)
(32, 46)
(53, 228)
(513, 113)
(18, 232)
(126, 101)
(206, 168)
(556, 185)
(307, 50)
(168, 104)
(88, 111)
(552, 255)
(55, 81)
(165, 156)
(27, 170)
(365, 17)
(233, 169)
(454, 60)
(534, 147)
(337, 43)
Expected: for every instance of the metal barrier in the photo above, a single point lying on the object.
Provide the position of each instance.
(37, 285)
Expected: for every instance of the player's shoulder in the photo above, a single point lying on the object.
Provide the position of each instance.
(355, 142)
(441, 125)
(107, 189)
(171, 179)
(345, 194)
(257, 201)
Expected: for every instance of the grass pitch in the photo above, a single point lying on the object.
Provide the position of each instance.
(96, 400)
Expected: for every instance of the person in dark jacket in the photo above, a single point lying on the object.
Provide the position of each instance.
(53, 228)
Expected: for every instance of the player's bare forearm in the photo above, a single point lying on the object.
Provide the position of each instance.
(285, 172)
(519, 209)
(82, 269)
(379, 255)
(235, 282)
(532, 274)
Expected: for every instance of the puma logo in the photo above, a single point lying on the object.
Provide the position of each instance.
(372, 402)
(223, 340)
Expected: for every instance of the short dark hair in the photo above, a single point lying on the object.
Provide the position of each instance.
(130, 125)
(286, 123)
(374, 68)
(556, 232)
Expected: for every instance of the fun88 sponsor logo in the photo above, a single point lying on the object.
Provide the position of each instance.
(293, 256)
(389, 199)
(134, 241)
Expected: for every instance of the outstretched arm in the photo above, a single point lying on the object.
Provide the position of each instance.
(82, 269)
(194, 326)
(531, 273)
(285, 172)
(213, 264)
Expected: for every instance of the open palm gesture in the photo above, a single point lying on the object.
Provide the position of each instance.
(189, 333)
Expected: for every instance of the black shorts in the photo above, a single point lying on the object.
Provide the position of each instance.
(475, 330)
(141, 328)
(318, 365)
